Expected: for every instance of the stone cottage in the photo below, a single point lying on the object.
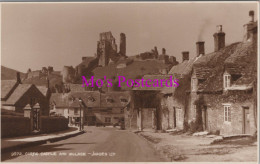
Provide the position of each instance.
(222, 86)
(176, 99)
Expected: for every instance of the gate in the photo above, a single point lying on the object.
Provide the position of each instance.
(36, 120)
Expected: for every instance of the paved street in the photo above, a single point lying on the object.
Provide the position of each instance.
(97, 145)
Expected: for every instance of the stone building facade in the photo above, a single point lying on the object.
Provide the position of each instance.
(222, 86)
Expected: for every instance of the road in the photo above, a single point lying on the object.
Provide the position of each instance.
(98, 144)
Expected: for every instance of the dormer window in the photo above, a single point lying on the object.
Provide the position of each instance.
(90, 98)
(226, 80)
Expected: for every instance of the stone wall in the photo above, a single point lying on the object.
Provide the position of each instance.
(148, 117)
(131, 119)
(215, 108)
(173, 114)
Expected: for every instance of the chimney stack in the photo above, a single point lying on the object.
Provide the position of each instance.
(84, 58)
(252, 15)
(185, 55)
(219, 38)
(200, 48)
(248, 27)
(18, 77)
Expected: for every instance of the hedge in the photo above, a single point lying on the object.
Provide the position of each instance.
(53, 124)
(13, 126)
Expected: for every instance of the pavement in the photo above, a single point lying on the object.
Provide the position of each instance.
(11, 144)
(97, 144)
(188, 148)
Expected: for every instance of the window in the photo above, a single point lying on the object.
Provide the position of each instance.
(107, 119)
(121, 110)
(227, 78)
(227, 113)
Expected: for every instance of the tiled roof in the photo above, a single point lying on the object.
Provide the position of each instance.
(18, 93)
(115, 99)
(183, 68)
(92, 99)
(241, 55)
(202, 72)
(236, 59)
(234, 69)
(6, 87)
(60, 99)
(216, 58)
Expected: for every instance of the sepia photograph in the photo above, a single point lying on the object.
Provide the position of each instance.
(129, 81)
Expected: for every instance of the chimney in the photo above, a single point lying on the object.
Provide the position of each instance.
(84, 58)
(185, 55)
(200, 48)
(252, 15)
(18, 77)
(219, 38)
(248, 28)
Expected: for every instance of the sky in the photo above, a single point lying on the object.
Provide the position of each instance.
(36, 35)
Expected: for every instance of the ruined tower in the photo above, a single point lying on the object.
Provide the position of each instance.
(106, 48)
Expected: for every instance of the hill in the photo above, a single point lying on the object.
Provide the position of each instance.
(55, 80)
(134, 70)
(10, 74)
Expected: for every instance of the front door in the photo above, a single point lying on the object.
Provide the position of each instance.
(246, 120)
(174, 118)
(205, 118)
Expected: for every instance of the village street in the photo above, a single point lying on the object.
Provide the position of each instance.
(120, 146)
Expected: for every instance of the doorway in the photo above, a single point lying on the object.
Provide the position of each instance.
(205, 118)
(246, 120)
(174, 118)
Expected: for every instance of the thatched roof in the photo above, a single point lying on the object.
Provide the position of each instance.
(183, 68)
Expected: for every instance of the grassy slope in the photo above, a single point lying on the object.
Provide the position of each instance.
(9, 74)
